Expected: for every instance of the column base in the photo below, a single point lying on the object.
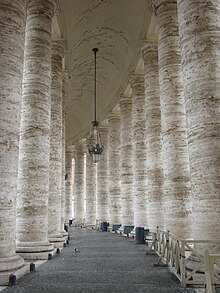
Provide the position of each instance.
(12, 266)
(35, 250)
(57, 240)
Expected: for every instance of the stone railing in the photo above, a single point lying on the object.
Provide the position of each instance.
(185, 261)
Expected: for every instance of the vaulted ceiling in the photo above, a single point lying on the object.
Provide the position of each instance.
(116, 28)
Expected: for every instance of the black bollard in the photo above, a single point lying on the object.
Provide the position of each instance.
(32, 267)
(139, 235)
(58, 251)
(50, 256)
(12, 280)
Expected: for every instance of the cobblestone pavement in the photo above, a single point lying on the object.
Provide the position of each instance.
(106, 263)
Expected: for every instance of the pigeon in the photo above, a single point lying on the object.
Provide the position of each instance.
(77, 250)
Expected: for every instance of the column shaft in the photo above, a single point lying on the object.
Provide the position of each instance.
(103, 178)
(126, 162)
(91, 178)
(68, 185)
(55, 187)
(79, 183)
(114, 169)
(12, 27)
(139, 150)
(34, 146)
(199, 24)
(155, 207)
(173, 119)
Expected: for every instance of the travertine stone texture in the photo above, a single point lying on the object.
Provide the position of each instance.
(199, 26)
(173, 119)
(55, 185)
(34, 146)
(68, 184)
(103, 178)
(126, 161)
(91, 179)
(114, 121)
(79, 184)
(155, 193)
(63, 196)
(12, 27)
(139, 151)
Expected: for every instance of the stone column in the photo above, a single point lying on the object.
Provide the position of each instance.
(173, 119)
(126, 161)
(63, 196)
(199, 23)
(91, 178)
(79, 181)
(102, 214)
(12, 26)
(68, 185)
(155, 194)
(139, 151)
(114, 169)
(55, 186)
(34, 147)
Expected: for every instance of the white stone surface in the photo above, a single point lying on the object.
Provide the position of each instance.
(173, 122)
(12, 27)
(114, 169)
(91, 179)
(199, 24)
(126, 161)
(55, 185)
(79, 183)
(103, 178)
(139, 150)
(155, 192)
(34, 146)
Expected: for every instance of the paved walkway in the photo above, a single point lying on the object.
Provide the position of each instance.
(106, 263)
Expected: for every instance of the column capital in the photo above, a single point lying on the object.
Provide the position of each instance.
(58, 47)
(148, 48)
(157, 3)
(114, 116)
(42, 7)
(137, 83)
(124, 100)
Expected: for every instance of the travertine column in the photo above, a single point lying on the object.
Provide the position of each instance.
(55, 186)
(79, 182)
(34, 147)
(155, 194)
(139, 151)
(12, 26)
(199, 23)
(91, 178)
(68, 185)
(126, 161)
(103, 178)
(63, 196)
(114, 169)
(173, 119)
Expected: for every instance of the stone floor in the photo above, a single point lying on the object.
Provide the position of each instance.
(106, 263)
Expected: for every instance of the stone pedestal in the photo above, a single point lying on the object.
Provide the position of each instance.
(12, 26)
(126, 161)
(55, 188)
(34, 146)
(114, 169)
(79, 183)
(155, 193)
(199, 24)
(103, 178)
(173, 122)
(139, 150)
